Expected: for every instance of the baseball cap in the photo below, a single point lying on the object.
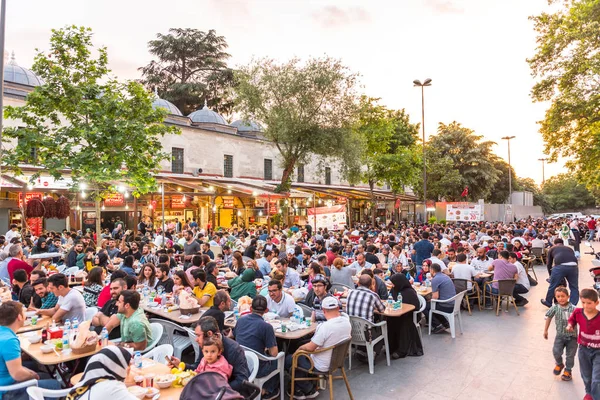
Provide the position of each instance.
(329, 303)
(259, 303)
(320, 278)
(290, 251)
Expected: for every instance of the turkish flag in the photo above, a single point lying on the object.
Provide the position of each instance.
(465, 192)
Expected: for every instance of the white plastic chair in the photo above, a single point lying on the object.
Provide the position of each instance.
(37, 393)
(422, 305)
(195, 345)
(159, 353)
(280, 359)
(61, 268)
(179, 342)
(20, 385)
(451, 315)
(359, 338)
(71, 271)
(90, 312)
(252, 361)
(306, 310)
(157, 332)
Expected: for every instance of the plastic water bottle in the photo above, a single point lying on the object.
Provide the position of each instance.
(75, 324)
(399, 300)
(67, 326)
(236, 313)
(137, 360)
(390, 301)
(65, 340)
(104, 337)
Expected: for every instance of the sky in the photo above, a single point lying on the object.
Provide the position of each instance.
(475, 51)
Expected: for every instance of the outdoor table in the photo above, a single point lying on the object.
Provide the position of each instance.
(170, 393)
(175, 315)
(406, 308)
(423, 293)
(46, 255)
(52, 360)
(41, 323)
(297, 334)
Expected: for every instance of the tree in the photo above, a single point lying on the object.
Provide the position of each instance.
(469, 156)
(307, 109)
(567, 64)
(190, 68)
(564, 193)
(83, 120)
(442, 177)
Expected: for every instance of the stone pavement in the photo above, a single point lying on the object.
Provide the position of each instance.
(504, 357)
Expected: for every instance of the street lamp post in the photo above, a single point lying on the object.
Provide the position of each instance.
(418, 83)
(543, 160)
(508, 138)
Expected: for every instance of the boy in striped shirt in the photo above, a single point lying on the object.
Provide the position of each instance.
(565, 340)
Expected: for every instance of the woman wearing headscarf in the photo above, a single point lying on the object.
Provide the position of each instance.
(404, 338)
(104, 376)
(243, 285)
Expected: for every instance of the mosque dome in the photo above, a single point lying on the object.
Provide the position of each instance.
(206, 116)
(14, 73)
(167, 105)
(246, 126)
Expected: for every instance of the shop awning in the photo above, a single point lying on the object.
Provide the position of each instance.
(352, 192)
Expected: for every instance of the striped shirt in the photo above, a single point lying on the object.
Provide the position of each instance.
(362, 302)
(561, 318)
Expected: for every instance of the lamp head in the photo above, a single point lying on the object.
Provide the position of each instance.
(417, 82)
(427, 82)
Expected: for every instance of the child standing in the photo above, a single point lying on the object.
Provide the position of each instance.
(565, 340)
(213, 360)
(589, 342)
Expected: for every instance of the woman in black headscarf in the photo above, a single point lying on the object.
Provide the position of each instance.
(404, 338)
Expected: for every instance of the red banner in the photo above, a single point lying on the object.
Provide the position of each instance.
(114, 200)
(228, 201)
(35, 226)
(272, 208)
(29, 196)
(397, 205)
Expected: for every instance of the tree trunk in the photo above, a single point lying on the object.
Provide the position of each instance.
(98, 226)
(287, 173)
(373, 202)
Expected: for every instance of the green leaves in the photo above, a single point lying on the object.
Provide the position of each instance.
(564, 193)
(83, 120)
(567, 64)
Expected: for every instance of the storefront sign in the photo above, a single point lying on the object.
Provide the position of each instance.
(464, 212)
(178, 201)
(381, 205)
(114, 200)
(251, 220)
(228, 201)
(341, 200)
(327, 217)
(296, 219)
(272, 208)
(29, 196)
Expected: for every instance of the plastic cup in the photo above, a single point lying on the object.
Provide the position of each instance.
(139, 380)
(149, 380)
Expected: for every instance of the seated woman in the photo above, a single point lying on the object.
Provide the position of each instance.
(403, 336)
(147, 276)
(93, 286)
(243, 285)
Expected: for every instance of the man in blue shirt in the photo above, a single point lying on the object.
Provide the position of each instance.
(264, 263)
(442, 288)
(12, 370)
(422, 250)
(253, 332)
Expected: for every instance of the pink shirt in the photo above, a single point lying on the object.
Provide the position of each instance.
(589, 330)
(221, 366)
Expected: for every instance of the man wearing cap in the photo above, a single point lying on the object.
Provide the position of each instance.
(254, 332)
(334, 330)
(314, 298)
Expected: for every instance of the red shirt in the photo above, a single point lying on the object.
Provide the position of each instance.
(330, 257)
(16, 264)
(104, 296)
(589, 330)
(592, 224)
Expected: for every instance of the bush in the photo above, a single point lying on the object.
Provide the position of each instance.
(432, 220)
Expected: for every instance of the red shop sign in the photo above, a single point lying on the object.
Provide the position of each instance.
(29, 196)
(228, 202)
(114, 200)
(177, 201)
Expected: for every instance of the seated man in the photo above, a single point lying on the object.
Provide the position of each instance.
(162, 277)
(70, 303)
(232, 351)
(110, 309)
(47, 298)
(314, 298)
(22, 287)
(363, 301)
(462, 270)
(12, 318)
(522, 286)
(203, 290)
(280, 302)
(105, 294)
(292, 277)
(360, 263)
(335, 330)
(380, 288)
(503, 269)
(221, 303)
(135, 328)
(16, 262)
(442, 288)
(253, 332)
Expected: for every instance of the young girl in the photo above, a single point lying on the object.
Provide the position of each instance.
(589, 341)
(213, 360)
(147, 276)
(564, 339)
(180, 281)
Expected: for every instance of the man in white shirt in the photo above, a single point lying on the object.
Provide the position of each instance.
(278, 301)
(12, 232)
(70, 302)
(436, 260)
(538, 242)
(331, 332)
(462, 270)
(360, 263)
(523, 284)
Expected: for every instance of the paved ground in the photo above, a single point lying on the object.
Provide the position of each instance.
(504, 357)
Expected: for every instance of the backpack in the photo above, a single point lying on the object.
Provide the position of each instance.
(209, 386)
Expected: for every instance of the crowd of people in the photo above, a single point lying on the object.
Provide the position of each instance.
(296, 264)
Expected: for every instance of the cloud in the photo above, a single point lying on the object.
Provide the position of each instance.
(444, 6)
(333, 16)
